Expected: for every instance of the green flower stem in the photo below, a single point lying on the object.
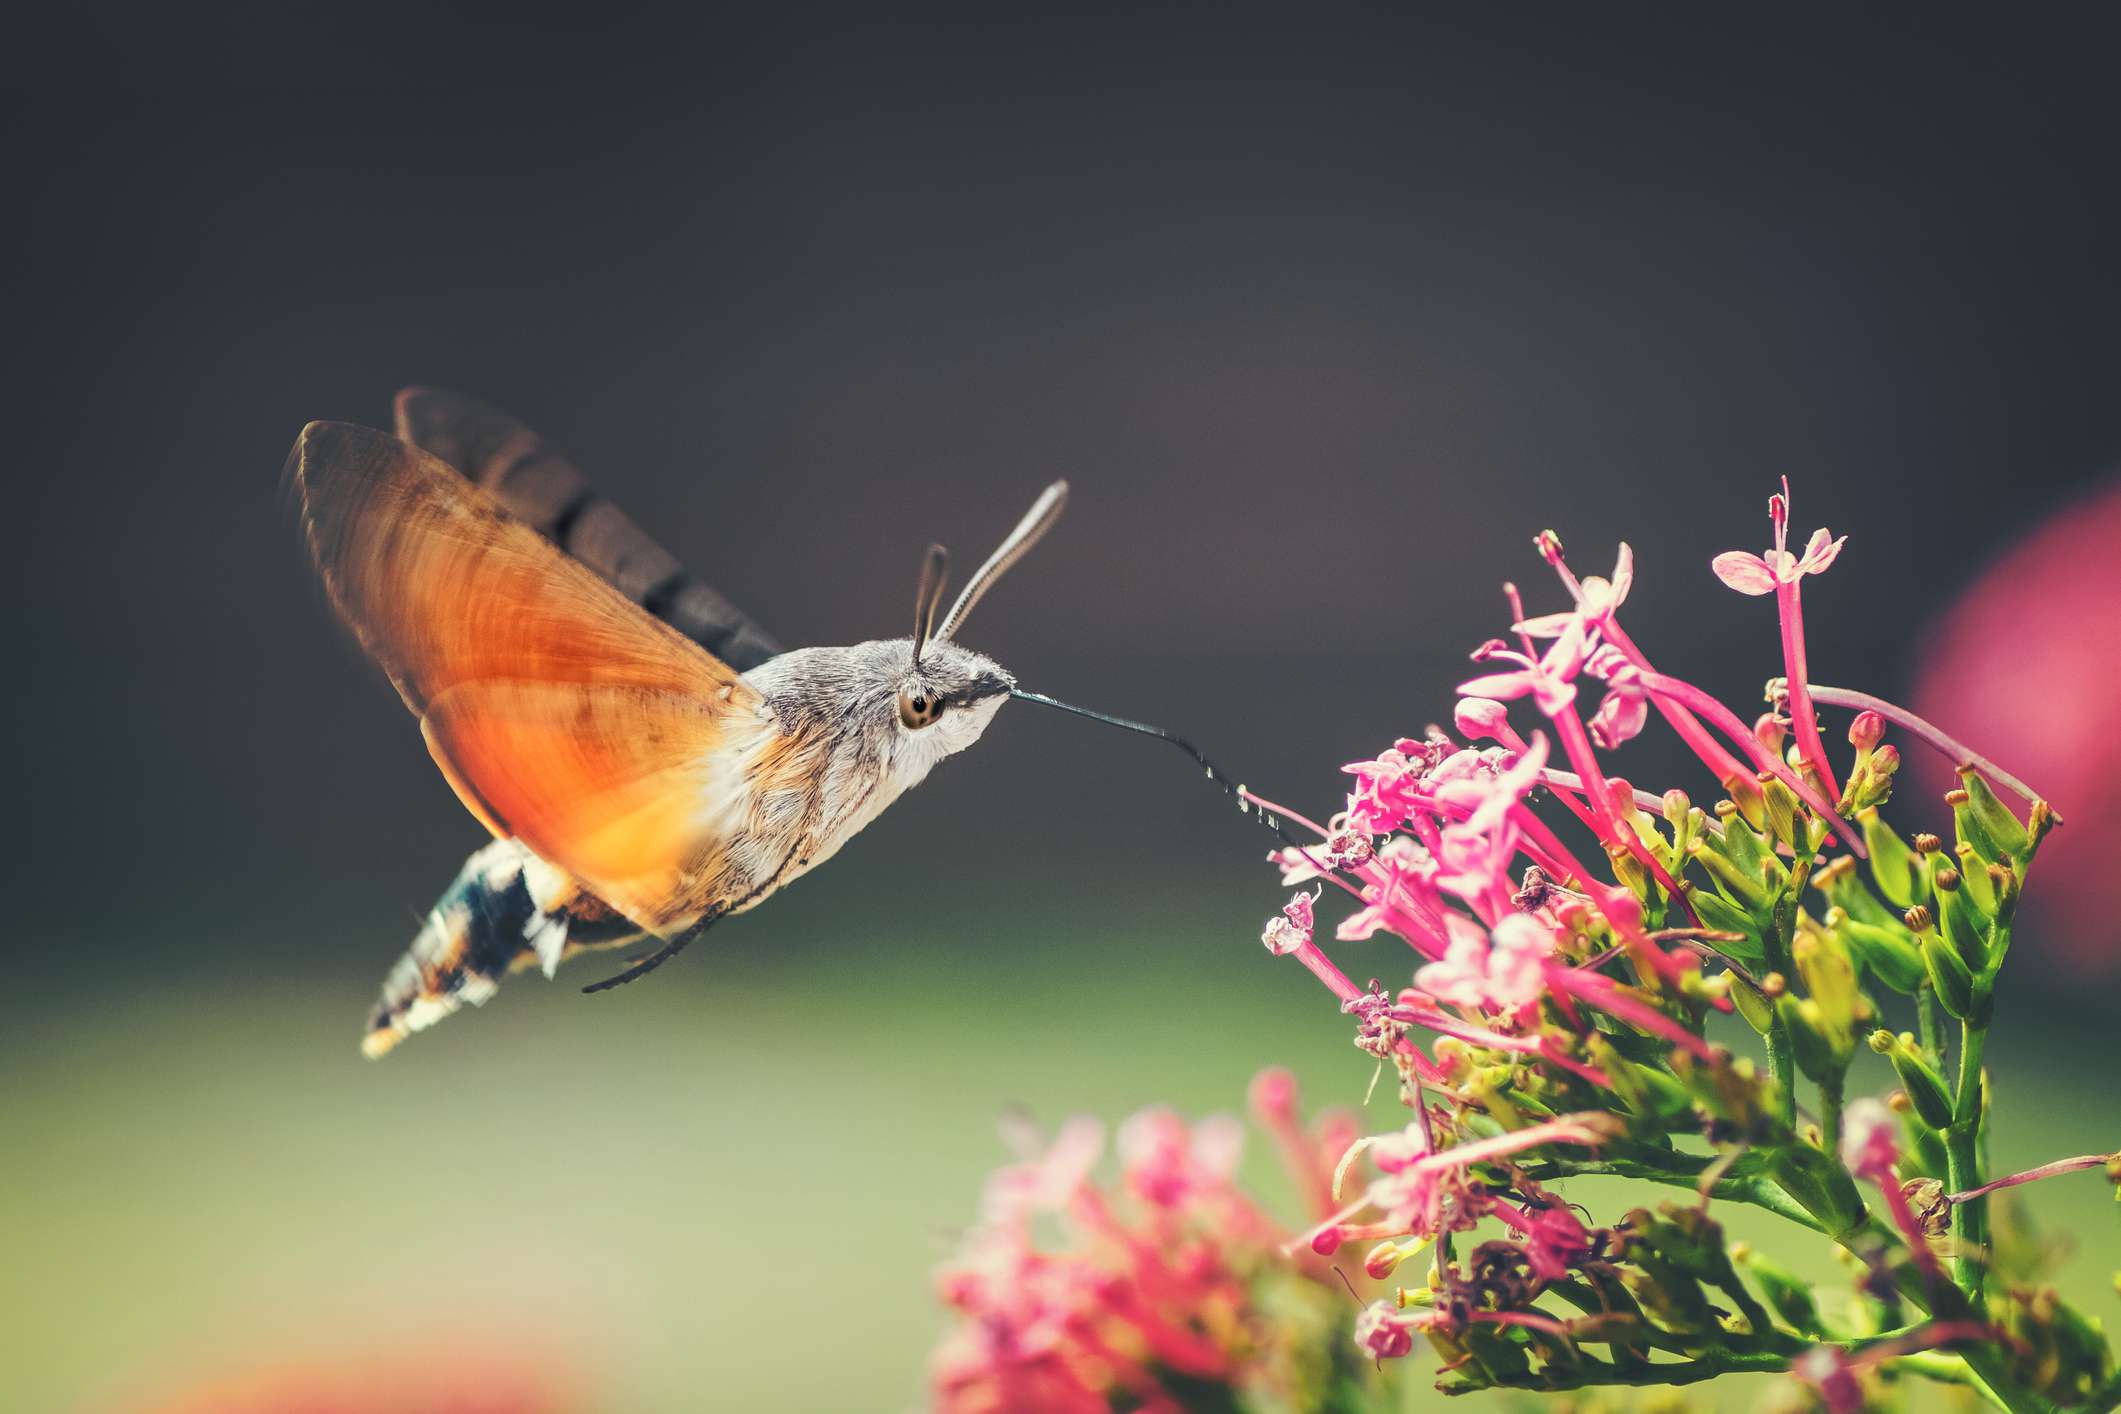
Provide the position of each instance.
(1933, 1365)
(1830, 1096)
(1782, 1069)
(1711, 1366)
(1931, 1024)
(1756, 1192)
(1962, 1148)
(1781, 1056)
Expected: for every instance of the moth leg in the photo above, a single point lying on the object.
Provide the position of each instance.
(715, 914)
(660, 956)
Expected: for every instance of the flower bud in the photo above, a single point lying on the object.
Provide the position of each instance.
(1973, 877)
(1866, 730)
(1871, 783)
(1783, 811)
(1481, 719)
(1744, 887)
(1892, 862)
(1986, 822)
(1273, 1095)
(1745, 801)
(1821, 1053)
(1830, 982)
(1751, 1004)
(1959, 922)
(1924, 1087)
(1383, 1259)
(1886, 953)
(2039, 822)
(1949, 977)
(2003, 881)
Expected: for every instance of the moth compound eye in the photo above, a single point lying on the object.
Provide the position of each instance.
(916, 708)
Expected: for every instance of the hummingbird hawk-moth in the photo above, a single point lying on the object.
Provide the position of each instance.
(646, 758)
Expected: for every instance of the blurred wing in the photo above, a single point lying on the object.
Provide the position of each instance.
(562, 715)
(542, 488)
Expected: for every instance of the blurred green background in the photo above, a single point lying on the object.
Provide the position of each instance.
(721, 1191)
(1323, 321)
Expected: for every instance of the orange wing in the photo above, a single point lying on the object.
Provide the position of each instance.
(561, 713)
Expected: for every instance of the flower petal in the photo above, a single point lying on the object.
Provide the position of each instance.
(1623, 576)
(1820, 552)
(1503, 687)
(1748, 574)
(1546, 625)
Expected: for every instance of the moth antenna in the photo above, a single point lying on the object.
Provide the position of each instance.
(935, 577)
(1215, 774)
(1036, 522)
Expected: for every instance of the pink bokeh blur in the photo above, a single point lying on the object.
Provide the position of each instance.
(2026, 666)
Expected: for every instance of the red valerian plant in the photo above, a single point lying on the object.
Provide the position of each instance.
(1557, 1023)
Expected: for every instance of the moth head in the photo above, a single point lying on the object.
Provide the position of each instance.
(947, 689)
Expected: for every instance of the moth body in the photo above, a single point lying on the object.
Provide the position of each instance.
(647, 760)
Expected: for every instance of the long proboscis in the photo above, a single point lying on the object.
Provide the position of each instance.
(1215, 773)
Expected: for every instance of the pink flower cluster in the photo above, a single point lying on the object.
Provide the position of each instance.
(1155, 1289)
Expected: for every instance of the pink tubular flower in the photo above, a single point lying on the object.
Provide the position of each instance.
(1763, 574)
(1499, 971)
(1625, 708)
(1293, 929)
(1550, 679)
(1556, 1243)
(1780, 574)
(1596, 599)
(1384, 1332)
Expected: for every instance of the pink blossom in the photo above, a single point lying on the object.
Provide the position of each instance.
(1625, 708)
(1387, 789)
(1384, 1332)
(1870, 1141)
(1485, 790)
(1293, 929)
(1481, 719)
(1596, 599)
(1550, 679)
(1760, 574)
(1166, 1164)
(1555, 1243)
(1502, 971)
(1048, 1176)
(1830, 1372)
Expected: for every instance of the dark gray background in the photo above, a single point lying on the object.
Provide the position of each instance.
(1323, 319)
